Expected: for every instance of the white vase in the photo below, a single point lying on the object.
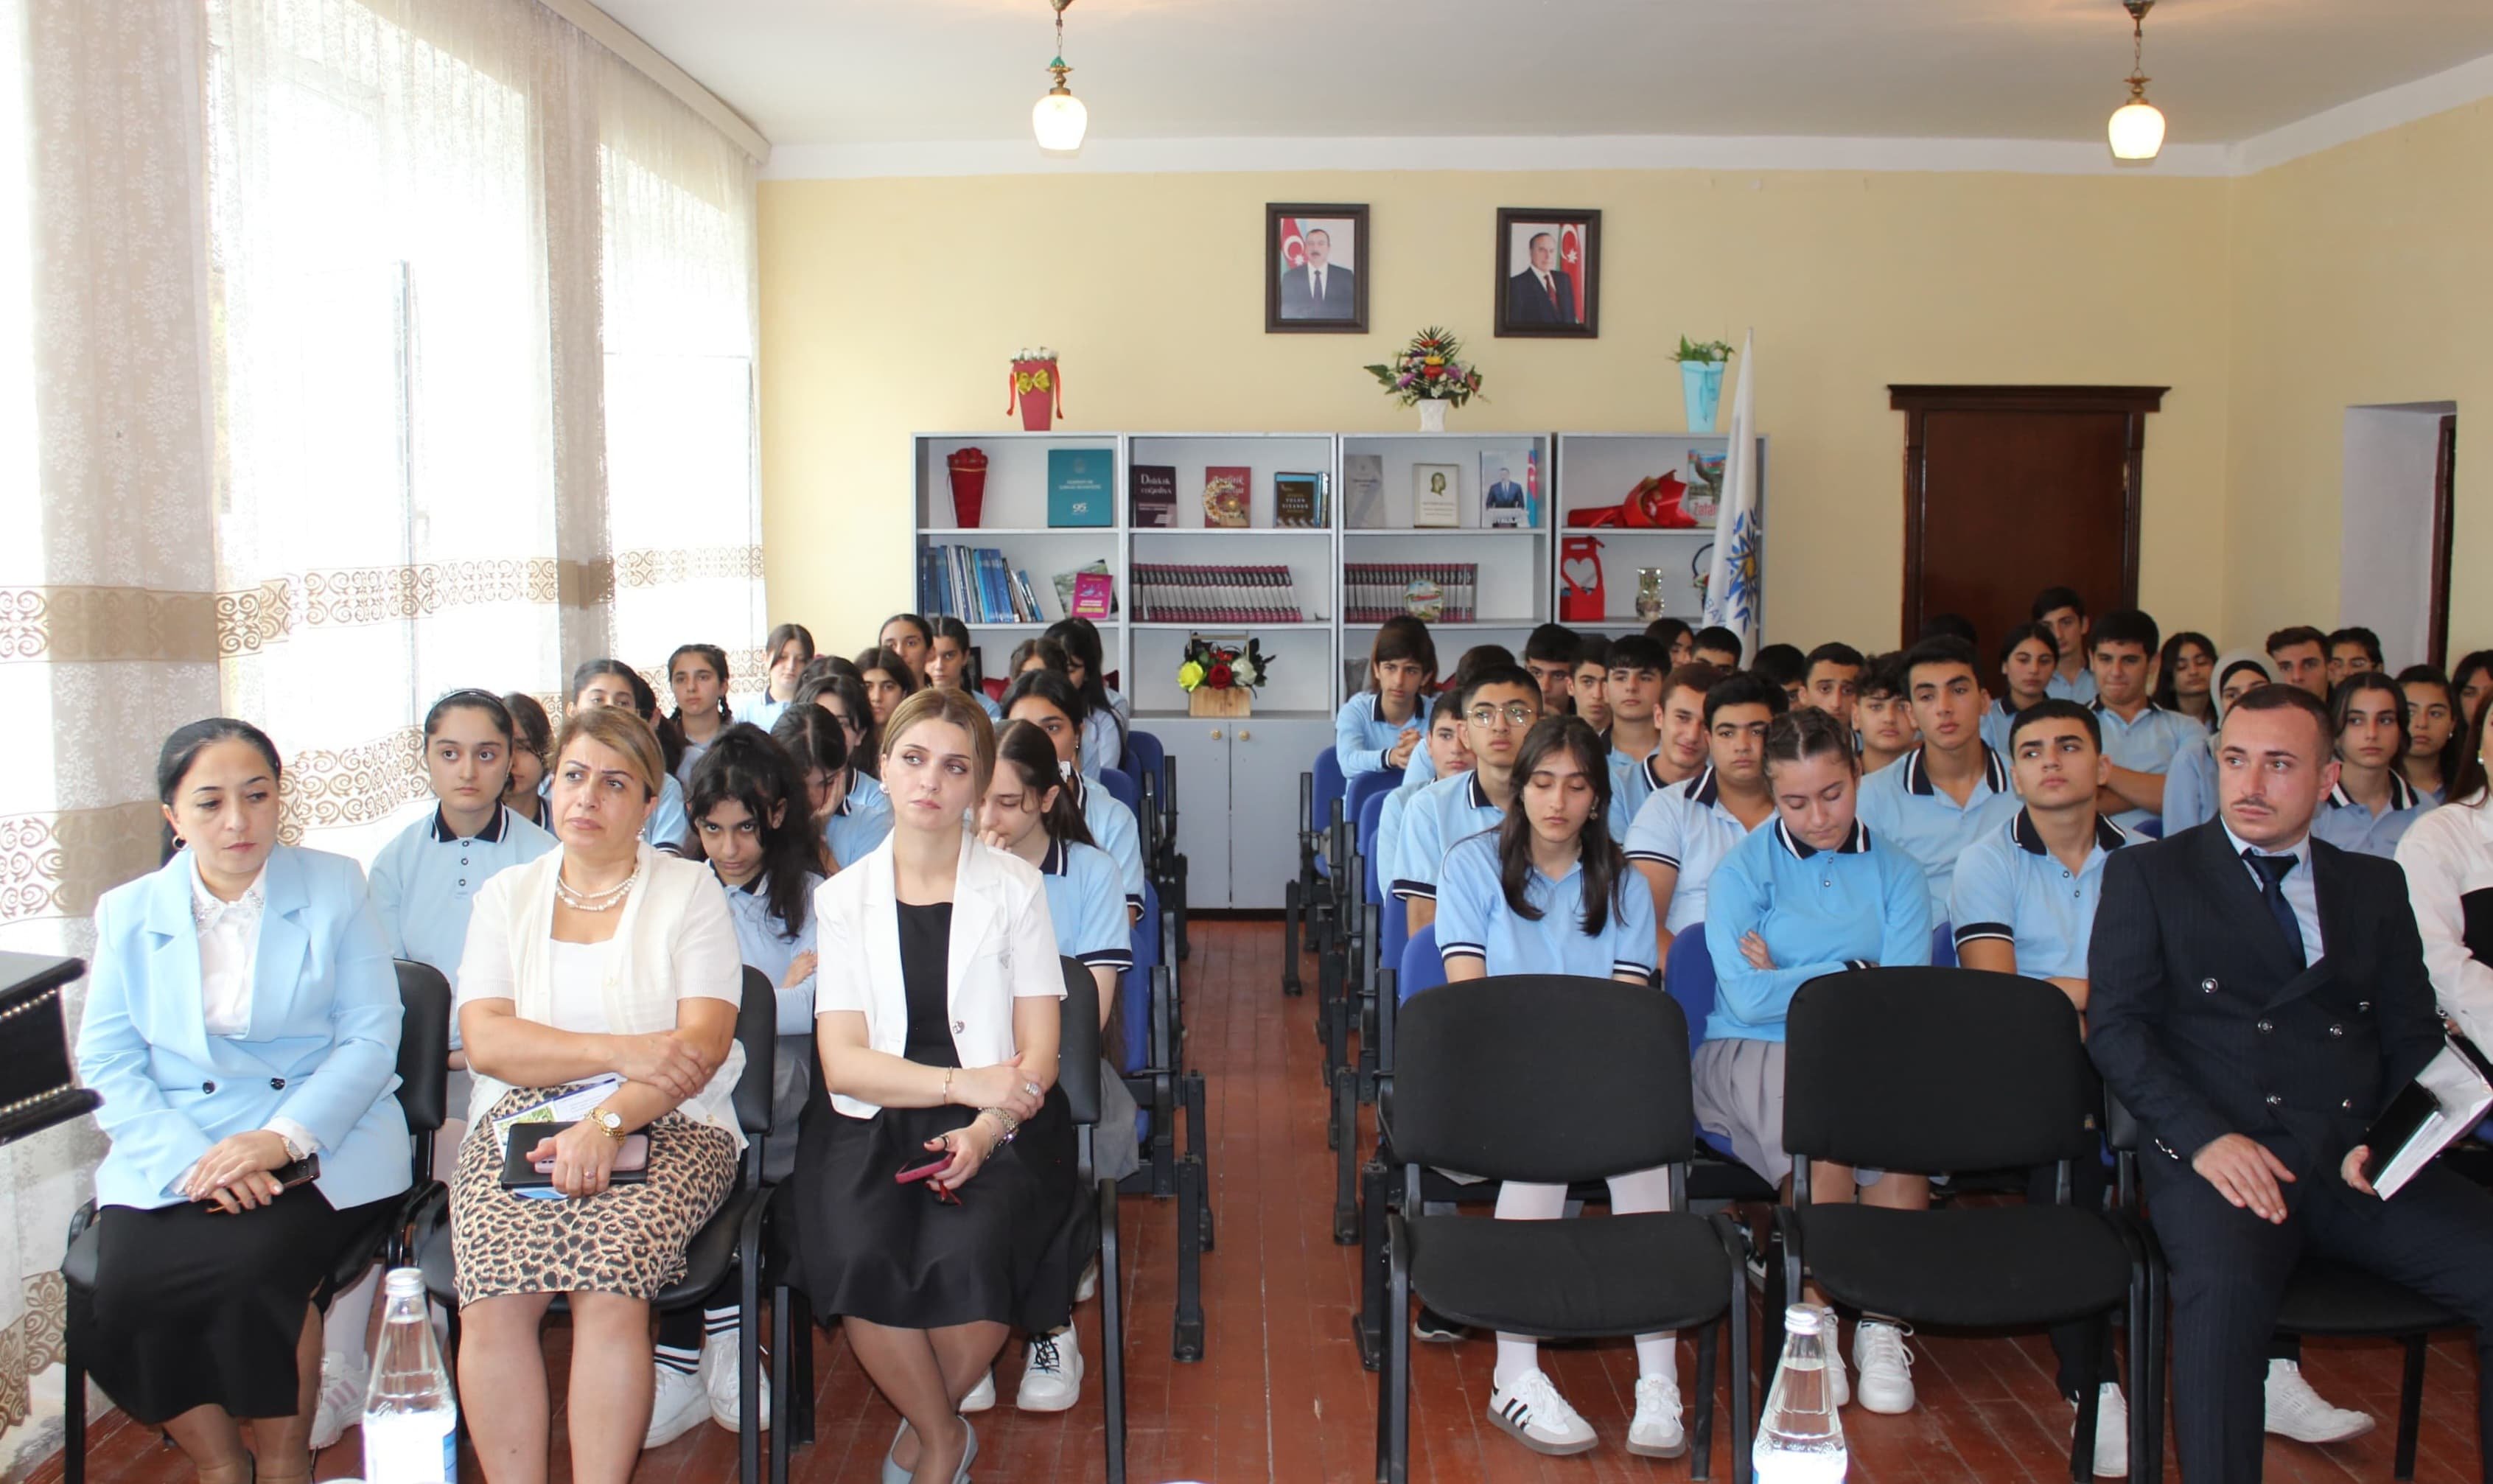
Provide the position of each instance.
(1432, 414)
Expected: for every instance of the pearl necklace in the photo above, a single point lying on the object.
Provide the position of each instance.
(594, 902)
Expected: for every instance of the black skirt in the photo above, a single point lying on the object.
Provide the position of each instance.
(192, 1307)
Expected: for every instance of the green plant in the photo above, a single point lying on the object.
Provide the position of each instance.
(1703, 350)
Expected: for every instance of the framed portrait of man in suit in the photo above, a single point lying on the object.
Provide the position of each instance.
(1548, 272)
(1315, 269)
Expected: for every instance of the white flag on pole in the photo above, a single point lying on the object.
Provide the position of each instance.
(1731, 590)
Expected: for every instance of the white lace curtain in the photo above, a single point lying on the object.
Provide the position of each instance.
(359, 350)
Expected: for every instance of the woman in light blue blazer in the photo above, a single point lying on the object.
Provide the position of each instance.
(242, 1015)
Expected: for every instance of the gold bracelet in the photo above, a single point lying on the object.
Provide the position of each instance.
(948, 1084)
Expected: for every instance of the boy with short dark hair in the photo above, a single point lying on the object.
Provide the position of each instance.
(1716, 646)
(1786, 667)
(2298, 655)
(2352, 651)
(2062, 611)
(1952, 789)
(1883, 718)
(2139, 738)
(1549, 654)
(1830, 677)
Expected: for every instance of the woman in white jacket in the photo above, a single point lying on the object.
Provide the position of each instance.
(2447, 856)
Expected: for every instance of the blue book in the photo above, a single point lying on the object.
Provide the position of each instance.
(1078, 492)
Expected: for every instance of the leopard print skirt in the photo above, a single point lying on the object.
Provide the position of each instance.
(628, 1239)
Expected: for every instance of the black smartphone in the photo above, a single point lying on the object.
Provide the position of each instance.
(303, 1171)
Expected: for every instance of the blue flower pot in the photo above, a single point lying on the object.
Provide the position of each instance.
(1700, 387)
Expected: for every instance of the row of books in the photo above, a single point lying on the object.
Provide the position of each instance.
(1166, 592)
(1439, 592)
(975, 586)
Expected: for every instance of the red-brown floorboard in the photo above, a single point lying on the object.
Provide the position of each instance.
(1280, 1394)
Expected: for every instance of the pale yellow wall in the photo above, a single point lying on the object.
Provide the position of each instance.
(2362, 275)
(889, 307)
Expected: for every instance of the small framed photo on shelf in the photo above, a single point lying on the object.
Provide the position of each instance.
(1315, 269)
(1436, 494)
(1509, 485)
(1548, 272)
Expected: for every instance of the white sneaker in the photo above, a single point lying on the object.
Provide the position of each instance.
(1532, 1412)
(1052, 1378)
(676, 1407)
(1886, 1366)
(982, 1396)
(719, 1379)
(2295, 1411)
(1656, 1431)
(1087, 1286)
(1838, 1382)
(343, 1379)
(2111, 1433)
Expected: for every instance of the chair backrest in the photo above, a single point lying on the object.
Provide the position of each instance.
(1542, 1076)
(1355, 794)
(1370, 810)
(1926, 1070)
(1423, 968)
(756, 1030)
(1943, 947)
(1329, 787)
(1134, 987)
(1394, 936)
(423, 1048)
(1688, 974)
(1144, 754)
(1122, 787)
(1077, 1045)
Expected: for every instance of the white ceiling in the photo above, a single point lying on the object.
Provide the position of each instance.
(849, 71)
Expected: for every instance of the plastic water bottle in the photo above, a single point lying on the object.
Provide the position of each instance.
(411, 1419)
(1800, 1440)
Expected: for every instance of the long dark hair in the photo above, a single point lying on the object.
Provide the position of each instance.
(780, 636)
(183, 749)
(1808, 732)
(496, 713)
(1046, 651)
(1081, 641)
(925, 631)
(2425, 674)
(1604, 868)
(2467, 783)
(2170, 660)
(1058, 692)
(2342, 700)
(2469, 665)
(670, 732)
(811, 740)
(1024, 748)
(850, 692)
(745, 767)
(946, 626)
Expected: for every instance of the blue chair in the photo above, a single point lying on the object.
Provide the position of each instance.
(1355, 794)
(1122, 787)
(1423, 966)
(1309, 914)
(1943, 947)
(1143, 755)
(1329, 787)
(1688, 974)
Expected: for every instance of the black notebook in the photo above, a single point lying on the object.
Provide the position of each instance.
(2444, 1103)
(519, 1172)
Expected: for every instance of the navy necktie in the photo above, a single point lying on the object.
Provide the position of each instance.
(2273, 871)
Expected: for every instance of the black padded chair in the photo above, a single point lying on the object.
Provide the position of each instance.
(424, 1077)
(1095, 1210)
(1924, 1071)
(2320, 1298)
(729, 1242)
(1554, 1080)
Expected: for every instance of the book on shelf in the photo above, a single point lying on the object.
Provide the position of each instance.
(1362, 491)
(1077, 487)
(1227, 489)
(1298, 500)
(1439, 592)
(1437, 493)
(1155, 495)
(975, 584)
(1093, 594)
(1066, 585)
(1169, 592)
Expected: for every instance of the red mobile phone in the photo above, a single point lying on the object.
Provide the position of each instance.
(933, 1166)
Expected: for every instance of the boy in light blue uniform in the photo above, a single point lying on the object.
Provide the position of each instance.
(1379, 729)
(1499, 705)
(2139, 738)
(2064, 613)
(1657, 721)
(1683, 832)
(1445, 748)
(1951, 790)
(860, 820)
(1811, 893)
(2027, 657)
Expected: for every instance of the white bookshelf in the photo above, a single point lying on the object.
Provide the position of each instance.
(1596, 469)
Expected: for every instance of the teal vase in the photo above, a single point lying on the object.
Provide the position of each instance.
(1700, 387)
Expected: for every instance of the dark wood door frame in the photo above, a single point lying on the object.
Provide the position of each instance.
(1917, 403)
(2445, 499)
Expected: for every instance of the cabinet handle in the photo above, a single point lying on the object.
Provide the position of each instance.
(1244, 735)
(1215, 734)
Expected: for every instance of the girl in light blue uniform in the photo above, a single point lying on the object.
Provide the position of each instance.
(532, 760)
(1046, 701)
(851, 808)
(791, 648)
(1086, 665)
(2190, 783)
(698, 675)
(2370, 712)
(1549, 892)
(1380, 727)
(952, 662)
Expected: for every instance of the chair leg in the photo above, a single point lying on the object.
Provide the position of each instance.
(1198, 1145)
(1394, 1382)
(1293, 909)
(73, 1413)
(1345, 1159)
(784, 1341)
(1700, 1431)
(1369, 1325)
(1112, 1333)
(1187, 1343)
(1738, 1322)
(2409, 1408)
(748, 1356)
(2082, 1441)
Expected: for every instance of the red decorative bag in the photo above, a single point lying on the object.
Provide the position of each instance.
(1581, 596)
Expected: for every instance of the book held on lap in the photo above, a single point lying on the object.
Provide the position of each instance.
(2447, 1099)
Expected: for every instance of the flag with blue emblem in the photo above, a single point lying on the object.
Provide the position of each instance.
(1732, 599)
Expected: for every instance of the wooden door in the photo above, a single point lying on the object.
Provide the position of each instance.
(2010, 490)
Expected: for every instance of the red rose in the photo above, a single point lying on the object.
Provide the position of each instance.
(1219, 678)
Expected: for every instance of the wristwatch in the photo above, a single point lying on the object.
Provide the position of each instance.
(608, 1122)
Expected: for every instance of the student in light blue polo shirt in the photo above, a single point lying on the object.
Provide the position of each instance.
(790, 648)
(1379, 727)
(2435, 739)
(2062, 611)
(1478, 657)
(2024, 904)
(1882, 714)
(1446, 751)
(1683, 832)
(2139, 738)
(1047, 701)
(2373, 803)
(1547, 892)
(1657, 721)
(1812, 893)
(952, 662)
(848, 808)
(2190, 783)
(1951, 790)
(2027, 657)
(1499, 705)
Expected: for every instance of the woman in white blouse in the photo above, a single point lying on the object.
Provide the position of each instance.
(2447, 856)
(935, 1011)
(603, 962)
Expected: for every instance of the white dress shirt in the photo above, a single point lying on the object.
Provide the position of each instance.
(228, 963)
(2301, 892)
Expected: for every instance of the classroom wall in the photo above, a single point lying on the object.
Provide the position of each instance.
(2362, 275)
(889, 307)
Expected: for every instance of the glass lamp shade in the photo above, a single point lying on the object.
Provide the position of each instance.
(1059, 119)
(2136, 131)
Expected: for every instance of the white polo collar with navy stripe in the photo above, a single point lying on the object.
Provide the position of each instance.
(490, 834)
(1480, 795)
(1917, 778)
(2402, 794)
(1855, 843)
(1053, 862)
(1702, 788)
(2107, 835)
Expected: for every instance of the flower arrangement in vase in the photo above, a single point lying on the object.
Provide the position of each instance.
(1430, 374)
(1221, 677)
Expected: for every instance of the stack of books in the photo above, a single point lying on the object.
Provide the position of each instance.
(1169, 593)
(1439, 592)
(975, 584)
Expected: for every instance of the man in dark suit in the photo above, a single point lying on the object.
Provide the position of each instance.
(1320, 290)
(1541, 294)
(2257, 996)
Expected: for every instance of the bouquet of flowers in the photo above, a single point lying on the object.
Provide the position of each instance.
(1430, 369)
(1219, 664)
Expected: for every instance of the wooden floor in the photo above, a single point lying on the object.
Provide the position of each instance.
(1281, 1395)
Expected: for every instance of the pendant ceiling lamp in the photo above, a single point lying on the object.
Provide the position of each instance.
(1059, 118)
(2137, 127)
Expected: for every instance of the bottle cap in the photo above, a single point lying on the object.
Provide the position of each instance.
(406, 1283)
(1799, 1318)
